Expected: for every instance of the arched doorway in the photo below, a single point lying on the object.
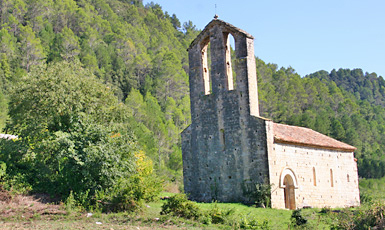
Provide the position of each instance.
(289, 192)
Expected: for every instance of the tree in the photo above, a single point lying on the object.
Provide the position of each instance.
(53, 96)
(69, 44)
(175, 22)
(31, 51)
(74, 134)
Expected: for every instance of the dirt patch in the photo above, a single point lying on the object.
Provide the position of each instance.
(16, 207)
(5, 196)
(172, 188)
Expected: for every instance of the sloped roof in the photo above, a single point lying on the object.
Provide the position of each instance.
(215, 22)
(307, 137)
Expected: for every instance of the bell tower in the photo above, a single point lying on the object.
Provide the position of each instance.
(225, 145)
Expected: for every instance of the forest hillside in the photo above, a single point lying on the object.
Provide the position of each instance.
(135, 56)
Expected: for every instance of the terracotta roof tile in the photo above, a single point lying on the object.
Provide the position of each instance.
(307, 137)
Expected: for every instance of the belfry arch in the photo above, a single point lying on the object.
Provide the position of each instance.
(205, 66)
(230, 73)
(231, 84)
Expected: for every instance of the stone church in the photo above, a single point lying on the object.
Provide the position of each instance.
(229, 145)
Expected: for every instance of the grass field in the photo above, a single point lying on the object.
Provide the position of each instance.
(27, 213)
(22, 212)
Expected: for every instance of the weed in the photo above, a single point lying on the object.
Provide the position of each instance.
(252, 223)
(179, 205)
(217, 215)
(325, 210)
(70, 203)
(259, 193)
(369, 217)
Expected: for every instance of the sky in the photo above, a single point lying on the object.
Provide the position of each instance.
(308, 35)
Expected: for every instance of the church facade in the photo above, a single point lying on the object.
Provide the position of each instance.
(229, 147)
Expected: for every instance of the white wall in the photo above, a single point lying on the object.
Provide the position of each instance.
(301, 161)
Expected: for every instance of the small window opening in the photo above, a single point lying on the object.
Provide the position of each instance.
(206, 70)
(348, 177)
(314, 177)
(331, 178)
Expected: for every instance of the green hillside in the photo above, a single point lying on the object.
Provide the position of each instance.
(135, 56)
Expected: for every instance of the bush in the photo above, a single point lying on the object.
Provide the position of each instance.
(179, 205)
(219, 216)
(247, 223)
(361, 218)
(297, 219)
(259, 193)
(129, 193)
(3, 168)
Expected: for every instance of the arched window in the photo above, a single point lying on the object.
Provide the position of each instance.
(331, 178)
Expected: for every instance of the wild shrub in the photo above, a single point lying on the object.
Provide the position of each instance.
(219, 216)
(251, 223)
(129, 193)
(259, 193)
(179, 205)
(325, 210)
(297, 219)
(369, 217)
(3, 168)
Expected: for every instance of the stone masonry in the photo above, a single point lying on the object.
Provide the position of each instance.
(229, 146)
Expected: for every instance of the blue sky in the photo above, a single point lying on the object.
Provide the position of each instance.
(308, 35)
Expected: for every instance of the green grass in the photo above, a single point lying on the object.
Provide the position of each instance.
(278, 219)
(149, 218)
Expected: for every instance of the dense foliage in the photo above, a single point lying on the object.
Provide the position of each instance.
(368, 86)
(126, 45)
(320, 104)
(54, 54)
(74, 139)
